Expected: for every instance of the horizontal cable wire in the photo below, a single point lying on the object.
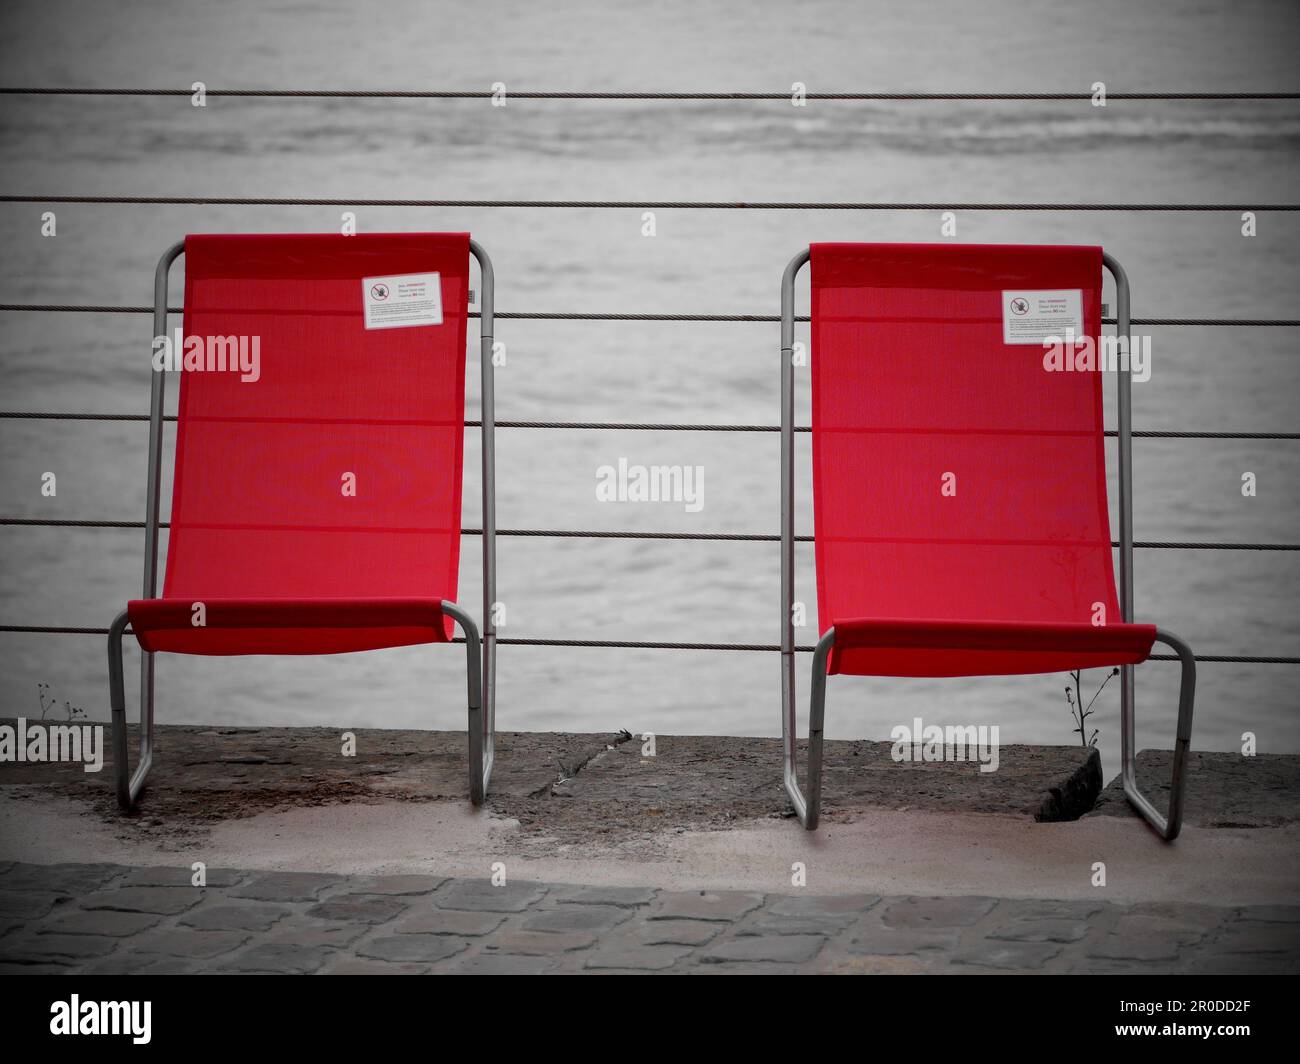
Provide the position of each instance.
(637, 644)
(91, 308)
(643, 426)
(698, 537)
(638, 205)
(534, 94)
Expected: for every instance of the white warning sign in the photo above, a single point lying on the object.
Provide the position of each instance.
(402, 301)
(1031, 317)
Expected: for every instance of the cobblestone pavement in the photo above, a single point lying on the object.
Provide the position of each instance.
(110, 919)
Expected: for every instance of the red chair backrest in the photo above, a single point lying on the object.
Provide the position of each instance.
(260, 503)
(912, 382)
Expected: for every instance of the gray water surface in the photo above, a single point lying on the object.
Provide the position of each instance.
(699, 261)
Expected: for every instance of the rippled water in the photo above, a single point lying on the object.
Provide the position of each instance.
(719, 261)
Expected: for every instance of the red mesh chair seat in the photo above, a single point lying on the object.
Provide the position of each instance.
(264, 534)
(286, 626)
(976, 648)
(914, 389)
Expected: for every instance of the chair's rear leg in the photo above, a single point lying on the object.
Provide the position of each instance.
(489, 715)
(1167, 827)
(816, 717)
(479, 754)
(128, 786)
(789, 731)
(808, 808)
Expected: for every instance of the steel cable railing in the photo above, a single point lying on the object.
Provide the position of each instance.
(666, 536)
(556, 315)
(533, 94)
(641, 644)
(648, 204)
(648, 535)
(592, 533)
(650, 426)
(636, 316)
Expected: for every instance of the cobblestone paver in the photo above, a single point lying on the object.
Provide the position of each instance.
(109, 919)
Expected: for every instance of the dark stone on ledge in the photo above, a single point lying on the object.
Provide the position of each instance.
(1077, 795)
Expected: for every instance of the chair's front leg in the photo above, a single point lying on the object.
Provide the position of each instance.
(1168, 828)
(129, 786)
(481, 740)
(808, 808)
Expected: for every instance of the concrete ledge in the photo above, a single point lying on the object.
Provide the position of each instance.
(1223, 790)
(562, 785)
(707, 813)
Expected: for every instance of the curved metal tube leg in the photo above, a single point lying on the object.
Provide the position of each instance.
(482, 738)
(1170, 827)
(487, 278)
(808, 807)
(129, 785)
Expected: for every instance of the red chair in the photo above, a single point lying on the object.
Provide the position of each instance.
(959, 486)
(316, 504)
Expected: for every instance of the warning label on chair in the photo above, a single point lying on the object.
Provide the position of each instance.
(1031, 317)
(403, 301)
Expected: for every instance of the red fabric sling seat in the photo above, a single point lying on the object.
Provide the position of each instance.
(959, 486)
(287, 626)
(264, 531)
